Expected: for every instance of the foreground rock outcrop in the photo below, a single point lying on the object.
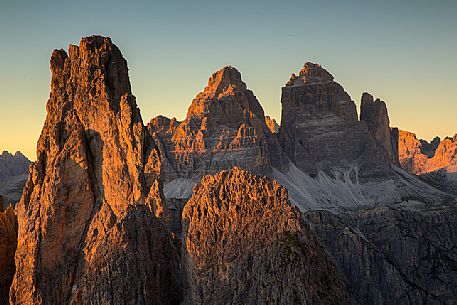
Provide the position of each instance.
(225, 126)
(8, 241)
(91, 218)
(374, 114)
(245, 244)
(320, 130)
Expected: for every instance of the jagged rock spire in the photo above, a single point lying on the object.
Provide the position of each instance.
(90, 218)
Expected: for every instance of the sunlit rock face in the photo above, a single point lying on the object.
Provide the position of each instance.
(272, 124)
(420, 157)
(320, 130)
(245, 244)
(91, 226)
(8, 241)
(225, 127)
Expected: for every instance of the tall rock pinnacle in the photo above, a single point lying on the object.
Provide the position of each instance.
(374, 114)
(320, 129)
(225, 126)
(90, 218)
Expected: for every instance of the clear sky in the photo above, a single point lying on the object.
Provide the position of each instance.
(403, 52)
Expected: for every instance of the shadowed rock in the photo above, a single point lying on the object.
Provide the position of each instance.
(320, 130)
(245, 244)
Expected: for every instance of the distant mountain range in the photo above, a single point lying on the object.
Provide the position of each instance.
(14, 170)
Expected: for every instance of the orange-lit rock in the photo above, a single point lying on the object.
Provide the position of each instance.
(420, 157)
(225, 126)
(272, 125)
(245, 244)
(91, 226)
(8, 242)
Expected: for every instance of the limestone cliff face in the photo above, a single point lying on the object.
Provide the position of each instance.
(225, 126)
(245, 244)
(403, 254)
(8, 241)
(320, 129)
(420, 157)
(91, 226)
(374, 114)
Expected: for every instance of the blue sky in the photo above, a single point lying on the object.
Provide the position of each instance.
(403, 52)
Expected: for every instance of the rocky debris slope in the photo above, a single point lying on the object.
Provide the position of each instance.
(320, 130)
(8, 241)
(225, 127)
(245, 244)
(91, 218)
(420, 157)
(402, 254)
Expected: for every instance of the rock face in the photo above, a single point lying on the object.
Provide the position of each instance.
(91, 226)
(320, 129)
(245, 244)
(420, 157)
(13, 165)
(405, 254)
(271, 124)
(374, 114)
(14, 171)
(8, 241)
(225, 126)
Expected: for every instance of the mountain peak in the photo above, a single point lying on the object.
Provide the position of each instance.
(226, 79)
(311, 73)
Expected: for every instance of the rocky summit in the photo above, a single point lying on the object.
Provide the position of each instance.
(14, 169)
(91, 220)
(225, 126)
(245, 244)
(226, 207)
(320, 130)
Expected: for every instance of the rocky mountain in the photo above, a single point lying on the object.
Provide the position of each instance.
(91, 219)
(245, 244)
(317, 212)
(420, 157)
(320, 130)
(272, 124)
(225, 127)
(13, 165)
(14, 171)
(8, 241)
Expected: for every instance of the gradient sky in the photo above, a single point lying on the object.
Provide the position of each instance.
(403, 52)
